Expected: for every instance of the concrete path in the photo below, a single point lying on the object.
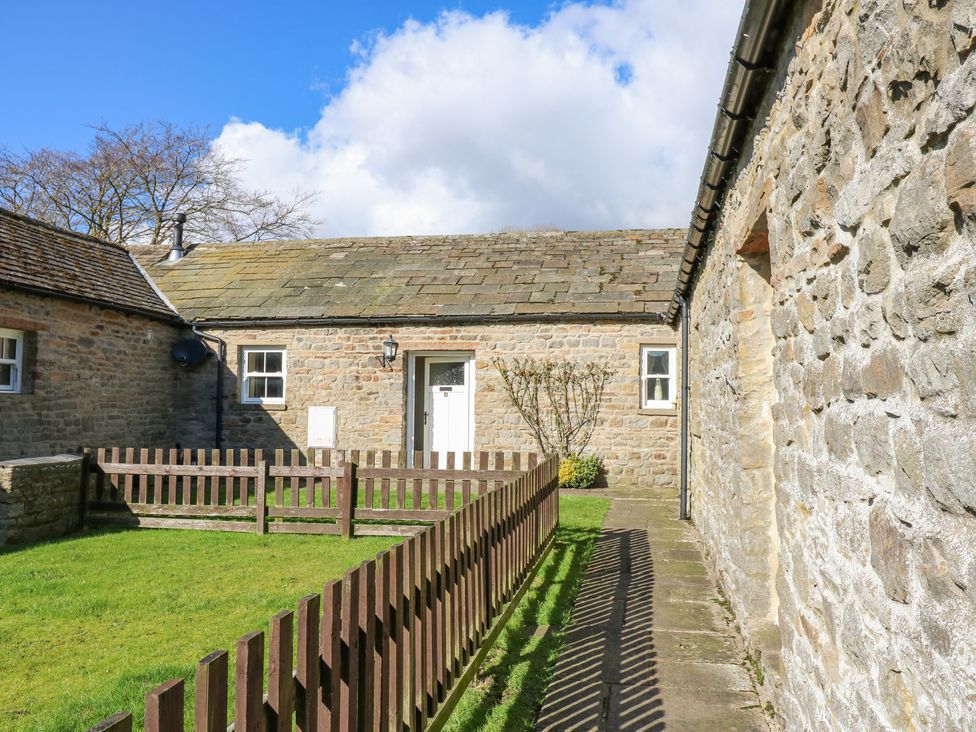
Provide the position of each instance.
(649, 646)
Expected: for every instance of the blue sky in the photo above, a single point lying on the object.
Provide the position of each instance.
(427, 116)
(189, 62)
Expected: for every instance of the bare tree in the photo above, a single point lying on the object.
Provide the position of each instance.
(132, 179)
(559, 400)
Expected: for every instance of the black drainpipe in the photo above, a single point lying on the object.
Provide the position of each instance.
(219, 396)
(685, 397)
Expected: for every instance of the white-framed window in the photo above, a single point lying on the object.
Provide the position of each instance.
(263, 375)
(11, 360)
(658, 377)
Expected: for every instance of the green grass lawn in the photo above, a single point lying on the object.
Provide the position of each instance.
(317, 495)
(509, 689)
(91, 623)
(440, 500)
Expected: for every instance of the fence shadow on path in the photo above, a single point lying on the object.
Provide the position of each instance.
(566, 565)
(605, 677)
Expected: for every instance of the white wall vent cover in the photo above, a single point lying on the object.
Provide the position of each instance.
(322, 427)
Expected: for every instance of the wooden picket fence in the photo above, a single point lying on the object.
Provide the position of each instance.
(319, 492)
(393, 644)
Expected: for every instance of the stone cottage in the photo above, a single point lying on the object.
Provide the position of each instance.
(303, 325)
(830, 276)
(827, 286)
(300, 329)
(84, 344)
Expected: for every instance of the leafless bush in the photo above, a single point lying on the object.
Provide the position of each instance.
(559, 400)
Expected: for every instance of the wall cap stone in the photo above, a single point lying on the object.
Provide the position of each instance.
(46, 460)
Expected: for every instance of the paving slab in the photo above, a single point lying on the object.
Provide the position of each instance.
(649, 647)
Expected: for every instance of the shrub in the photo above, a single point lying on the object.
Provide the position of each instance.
(579, 472)
(558, 399)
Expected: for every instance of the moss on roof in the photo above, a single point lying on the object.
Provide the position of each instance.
(521, 274)
(42, 258)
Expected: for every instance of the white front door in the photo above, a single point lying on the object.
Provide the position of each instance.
(448, 407)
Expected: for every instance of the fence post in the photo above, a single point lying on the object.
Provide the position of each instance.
(210, 706)
(249, 683)
(86, 461)
(308, 673)
(260, 484)
(348, 499)
(487, 538)
(554, 493)
(280, 708)
(164, 707)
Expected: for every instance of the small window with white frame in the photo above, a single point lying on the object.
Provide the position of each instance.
(263, 375)
(658, 378)
(11, 361)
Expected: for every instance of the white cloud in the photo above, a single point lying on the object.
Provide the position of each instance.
(596, 118)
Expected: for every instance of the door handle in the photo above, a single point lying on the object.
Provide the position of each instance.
(425, 417)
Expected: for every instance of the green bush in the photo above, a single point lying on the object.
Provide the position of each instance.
(579, 472)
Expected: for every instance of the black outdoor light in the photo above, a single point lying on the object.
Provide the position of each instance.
(389, 351)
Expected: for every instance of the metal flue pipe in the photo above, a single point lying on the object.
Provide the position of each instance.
(176, 251)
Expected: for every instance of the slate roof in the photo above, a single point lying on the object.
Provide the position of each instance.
(497, 276)
(41, 258)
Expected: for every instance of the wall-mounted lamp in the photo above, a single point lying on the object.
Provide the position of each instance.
(390, 347)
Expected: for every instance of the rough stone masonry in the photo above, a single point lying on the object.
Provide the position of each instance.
(338, 366)
(94, 377)
(834, 380)
(40, 498)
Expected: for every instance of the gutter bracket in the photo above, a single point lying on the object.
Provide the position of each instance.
(762, 68)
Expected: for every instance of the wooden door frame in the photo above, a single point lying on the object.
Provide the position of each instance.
(469, 358)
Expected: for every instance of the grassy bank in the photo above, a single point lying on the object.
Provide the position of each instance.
(509, 689)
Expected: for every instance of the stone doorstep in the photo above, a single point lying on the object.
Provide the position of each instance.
(643, 502)
(686, 568)
(678, 554)
(654, 533)
(707, 677)
(688, 616)
(683, 645)
(686, 595)
(684, 543)
(663, 503)
(646, 521)
(665, 526)
(700, 583)
(693, 710)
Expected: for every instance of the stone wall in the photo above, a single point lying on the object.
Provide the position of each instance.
(339, 367)
(853, 563)
(93, 377)
(39, 498)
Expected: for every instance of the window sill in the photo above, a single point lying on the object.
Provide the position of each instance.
(263, 407)
(661, 412)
